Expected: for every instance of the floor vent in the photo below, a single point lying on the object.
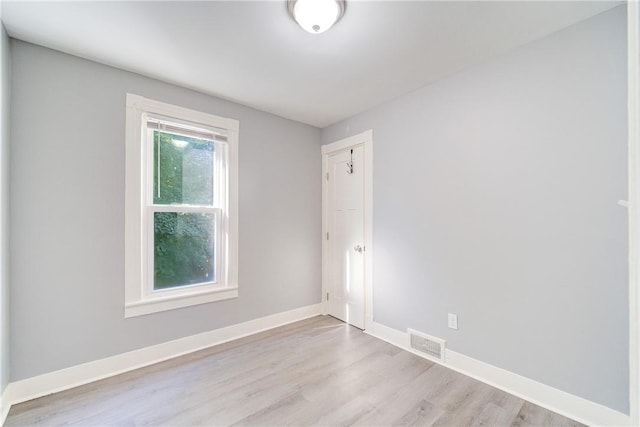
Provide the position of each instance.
(429, 346)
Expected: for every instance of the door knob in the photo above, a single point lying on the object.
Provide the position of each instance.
(358, 248)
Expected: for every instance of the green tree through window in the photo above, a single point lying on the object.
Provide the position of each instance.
(183, 242)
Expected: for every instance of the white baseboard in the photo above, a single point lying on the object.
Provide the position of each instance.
(52, 382)
(564, 403)
(561, 402)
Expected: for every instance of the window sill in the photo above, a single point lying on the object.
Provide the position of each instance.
(148, 306)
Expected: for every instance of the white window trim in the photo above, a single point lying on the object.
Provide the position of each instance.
(137, 300)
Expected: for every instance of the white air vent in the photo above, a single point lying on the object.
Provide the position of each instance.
(429, 346)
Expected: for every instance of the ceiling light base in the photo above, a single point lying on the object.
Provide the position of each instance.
(316, 16)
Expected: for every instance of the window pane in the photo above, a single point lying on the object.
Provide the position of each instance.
(183, 249)
(183, 169)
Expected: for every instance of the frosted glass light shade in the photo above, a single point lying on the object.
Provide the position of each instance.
(316, 16)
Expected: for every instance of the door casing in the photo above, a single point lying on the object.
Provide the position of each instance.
(364, 139)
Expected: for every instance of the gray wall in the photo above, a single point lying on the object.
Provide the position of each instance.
(495, 198)
(67, 214)
(4, 208)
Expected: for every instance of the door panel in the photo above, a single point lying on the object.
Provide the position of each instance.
(345, 203)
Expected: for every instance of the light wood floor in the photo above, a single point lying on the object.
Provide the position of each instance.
(314, 372)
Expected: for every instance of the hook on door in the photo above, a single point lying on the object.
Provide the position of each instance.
(350, 164)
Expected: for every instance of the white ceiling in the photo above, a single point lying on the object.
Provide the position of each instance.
(254, 54)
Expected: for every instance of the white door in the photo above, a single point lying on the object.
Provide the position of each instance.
(345, 226)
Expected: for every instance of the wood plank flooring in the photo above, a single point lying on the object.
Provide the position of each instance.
(315, 372)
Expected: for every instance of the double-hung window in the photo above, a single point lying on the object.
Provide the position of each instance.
(181, 207)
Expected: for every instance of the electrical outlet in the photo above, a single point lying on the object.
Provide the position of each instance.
(453, 321)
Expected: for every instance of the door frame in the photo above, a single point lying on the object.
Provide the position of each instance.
(633, 107)
(364, 139)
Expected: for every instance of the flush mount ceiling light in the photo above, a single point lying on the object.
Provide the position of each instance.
(316, 16)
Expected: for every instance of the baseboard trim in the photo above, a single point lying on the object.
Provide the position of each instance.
(561, 402)
(64, 379)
